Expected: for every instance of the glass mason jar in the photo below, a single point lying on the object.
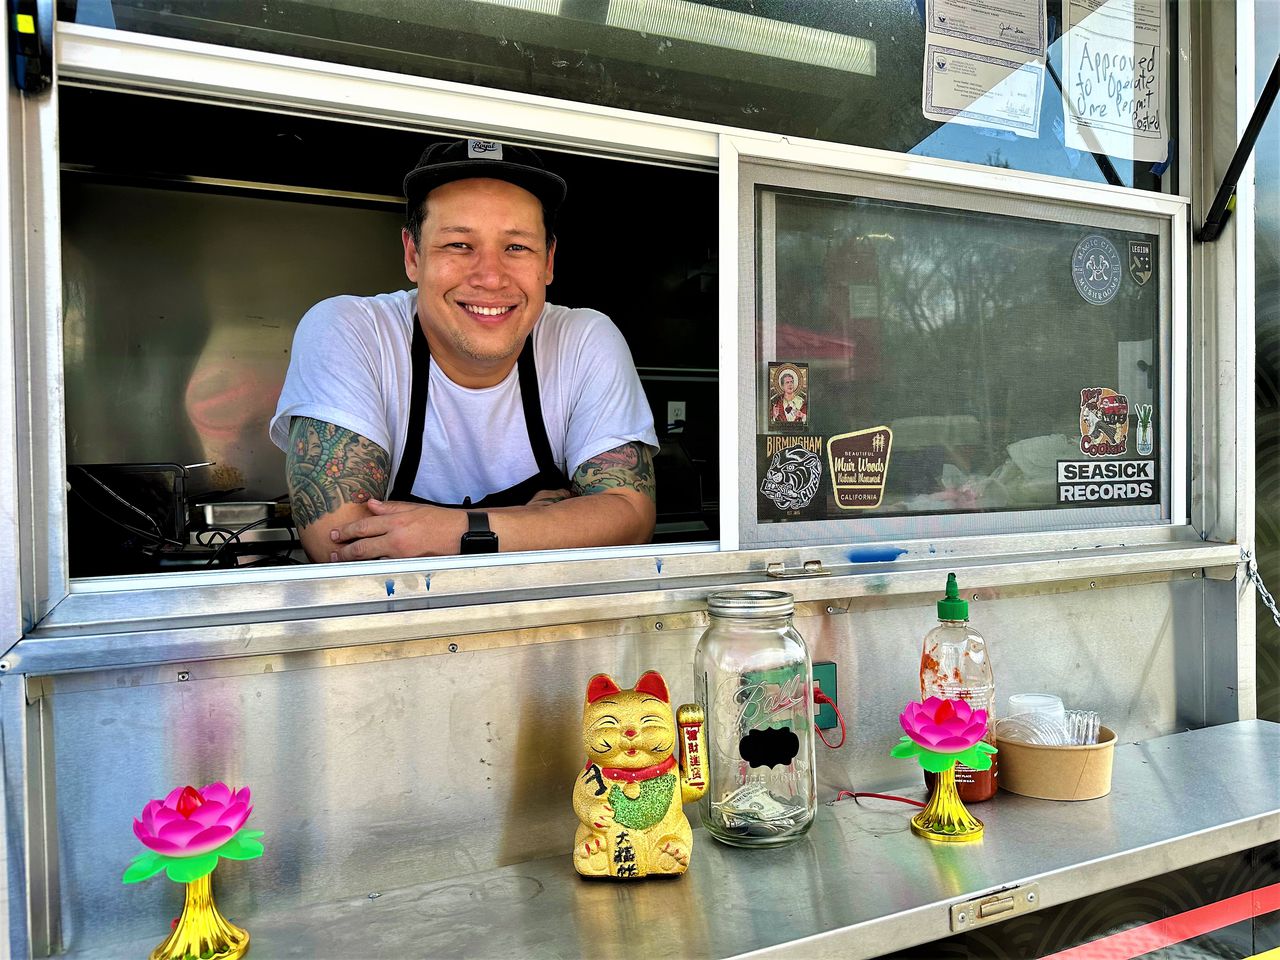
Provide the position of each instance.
(753, 678)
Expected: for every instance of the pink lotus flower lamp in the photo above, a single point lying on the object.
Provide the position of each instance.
(941, 733)
(185, 834)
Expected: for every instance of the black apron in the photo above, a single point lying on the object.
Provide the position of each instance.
(548, 477)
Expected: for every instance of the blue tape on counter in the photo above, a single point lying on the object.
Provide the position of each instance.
(875, 554)
(391, 588)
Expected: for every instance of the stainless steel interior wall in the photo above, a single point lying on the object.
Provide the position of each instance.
(179, 313)
(399, 770)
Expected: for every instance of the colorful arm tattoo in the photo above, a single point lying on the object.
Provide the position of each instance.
(630, 465)
(327, 466)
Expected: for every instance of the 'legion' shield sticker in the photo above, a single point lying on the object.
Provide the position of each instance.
(1140, 261)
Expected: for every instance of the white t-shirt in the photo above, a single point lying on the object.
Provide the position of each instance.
(351, 367)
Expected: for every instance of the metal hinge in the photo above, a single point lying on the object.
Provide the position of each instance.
(811, 568)
(994, 907)
(1251, 571)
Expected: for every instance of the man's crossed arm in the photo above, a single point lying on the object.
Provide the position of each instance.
(337, 480)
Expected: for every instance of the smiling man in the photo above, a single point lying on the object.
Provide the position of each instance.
(467, 415)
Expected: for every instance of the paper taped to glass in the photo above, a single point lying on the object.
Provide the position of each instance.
(1113, 87)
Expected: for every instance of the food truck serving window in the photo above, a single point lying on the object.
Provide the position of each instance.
(930, 362)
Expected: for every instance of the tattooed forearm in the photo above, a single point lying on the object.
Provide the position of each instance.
(549, 496)
(327, 466)
(630, 465)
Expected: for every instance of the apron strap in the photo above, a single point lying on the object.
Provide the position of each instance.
(531, 399)
(411, 457)
(549, 475)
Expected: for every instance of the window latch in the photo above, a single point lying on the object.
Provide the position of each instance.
(812, 568)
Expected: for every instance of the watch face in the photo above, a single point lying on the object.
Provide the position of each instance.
(485, 542)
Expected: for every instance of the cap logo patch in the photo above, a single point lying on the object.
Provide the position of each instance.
(484, 150)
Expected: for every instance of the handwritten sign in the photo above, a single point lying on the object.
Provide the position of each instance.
(1113, 78)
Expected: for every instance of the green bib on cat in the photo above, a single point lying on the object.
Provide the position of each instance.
(648, 808)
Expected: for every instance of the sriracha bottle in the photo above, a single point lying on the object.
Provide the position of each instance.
(956, 665)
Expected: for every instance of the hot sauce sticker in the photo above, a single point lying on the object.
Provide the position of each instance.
(859, 464)
(1104, 422)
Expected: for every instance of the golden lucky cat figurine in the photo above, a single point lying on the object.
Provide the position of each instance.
(630, 795)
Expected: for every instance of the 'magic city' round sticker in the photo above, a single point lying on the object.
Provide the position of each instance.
(1095, 268)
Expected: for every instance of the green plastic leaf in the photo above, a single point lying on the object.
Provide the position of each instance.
(986, 747)
(936, 762)
(906, 747)
(975, 758)
(242, 846)
(144, 866)
(187, 869)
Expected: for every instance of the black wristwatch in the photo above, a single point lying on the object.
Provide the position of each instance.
(478, 538)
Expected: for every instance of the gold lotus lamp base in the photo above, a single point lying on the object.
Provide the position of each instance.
(202, 931)
(945, 818)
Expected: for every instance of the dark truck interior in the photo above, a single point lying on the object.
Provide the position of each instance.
(195, 236)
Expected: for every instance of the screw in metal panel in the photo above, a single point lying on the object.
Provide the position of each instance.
(1093, 584)
(183, 675)
(975, 596)
(453, 648)
(831, 609)
(4, 665)
(961, 917)
(1031, 898)
(658, 625)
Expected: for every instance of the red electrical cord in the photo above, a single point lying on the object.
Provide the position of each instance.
(820, 697)
(878, 796)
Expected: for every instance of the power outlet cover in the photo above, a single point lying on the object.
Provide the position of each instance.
(824, 679)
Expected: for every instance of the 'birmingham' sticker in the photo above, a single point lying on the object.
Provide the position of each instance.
(1107, 481)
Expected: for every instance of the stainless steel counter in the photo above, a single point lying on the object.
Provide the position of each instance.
(859, 885)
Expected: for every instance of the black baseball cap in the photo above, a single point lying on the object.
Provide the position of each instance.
(443, 163)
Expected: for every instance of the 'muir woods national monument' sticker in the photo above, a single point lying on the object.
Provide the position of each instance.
(859, 464)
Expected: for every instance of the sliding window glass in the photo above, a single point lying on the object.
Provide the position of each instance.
(926, 361)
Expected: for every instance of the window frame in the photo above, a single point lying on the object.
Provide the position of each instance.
(188, 70)
(897, 178)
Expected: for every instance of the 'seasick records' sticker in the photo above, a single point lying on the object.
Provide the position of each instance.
(1095, 268)
(1107, 481)
(859, 464)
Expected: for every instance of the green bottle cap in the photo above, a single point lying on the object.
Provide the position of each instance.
(952, 607)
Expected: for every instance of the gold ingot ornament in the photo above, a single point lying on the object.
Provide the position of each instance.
(631, 793)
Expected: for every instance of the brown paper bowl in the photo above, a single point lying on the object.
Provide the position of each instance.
(1058, 773)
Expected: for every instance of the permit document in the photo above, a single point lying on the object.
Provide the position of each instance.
(1113, 84)
(984, 63)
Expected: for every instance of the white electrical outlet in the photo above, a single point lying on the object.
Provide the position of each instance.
(675, 411)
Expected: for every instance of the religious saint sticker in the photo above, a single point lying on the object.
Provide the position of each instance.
(859, 464)
(1104, 422)
(1095, 268)
(791, 477)
(788, 396)
(1140, 261)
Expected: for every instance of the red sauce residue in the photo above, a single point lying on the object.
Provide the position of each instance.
(974, 786)
(928, 664)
